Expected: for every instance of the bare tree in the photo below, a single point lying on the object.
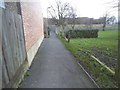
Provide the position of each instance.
(116, 3)
(105, 19)
(72, 17)
(112, 20)
(60, 13)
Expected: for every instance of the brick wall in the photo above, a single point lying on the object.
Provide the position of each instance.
(32, 22)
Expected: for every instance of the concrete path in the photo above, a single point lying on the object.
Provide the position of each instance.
(55, 67)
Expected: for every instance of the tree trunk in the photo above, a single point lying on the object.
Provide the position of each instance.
(104, 27)
(62, 31)
(69, 37)
(72, 27)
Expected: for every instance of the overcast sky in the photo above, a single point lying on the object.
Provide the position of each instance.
(84, 8)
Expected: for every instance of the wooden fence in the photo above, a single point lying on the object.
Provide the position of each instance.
(14, 58)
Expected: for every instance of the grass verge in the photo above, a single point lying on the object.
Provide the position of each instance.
(103, 46)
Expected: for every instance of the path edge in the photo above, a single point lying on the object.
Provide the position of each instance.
(88, 74)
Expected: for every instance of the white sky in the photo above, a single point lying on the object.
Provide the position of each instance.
(84, 8)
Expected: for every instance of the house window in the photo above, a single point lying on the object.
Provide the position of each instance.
(2, 4)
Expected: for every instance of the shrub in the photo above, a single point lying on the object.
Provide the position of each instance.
(82, 33)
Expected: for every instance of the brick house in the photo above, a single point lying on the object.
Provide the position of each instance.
(33, 27)
(32, 23)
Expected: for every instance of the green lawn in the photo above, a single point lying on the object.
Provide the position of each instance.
(104, 48)
(107, 41)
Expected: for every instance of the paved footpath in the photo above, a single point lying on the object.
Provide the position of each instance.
(55, 67)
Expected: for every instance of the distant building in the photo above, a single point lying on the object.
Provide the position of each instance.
(78, 20)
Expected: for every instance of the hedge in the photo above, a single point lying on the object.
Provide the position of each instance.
(82, 33)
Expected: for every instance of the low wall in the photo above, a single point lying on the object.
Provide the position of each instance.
(33, 50)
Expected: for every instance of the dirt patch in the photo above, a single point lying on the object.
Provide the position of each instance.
(103, 57)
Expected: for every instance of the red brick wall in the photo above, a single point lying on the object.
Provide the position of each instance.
(32, 21)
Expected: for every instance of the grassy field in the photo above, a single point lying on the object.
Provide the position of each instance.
(94, 26)
(107, 41)
(104, 48)
(99, 26)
